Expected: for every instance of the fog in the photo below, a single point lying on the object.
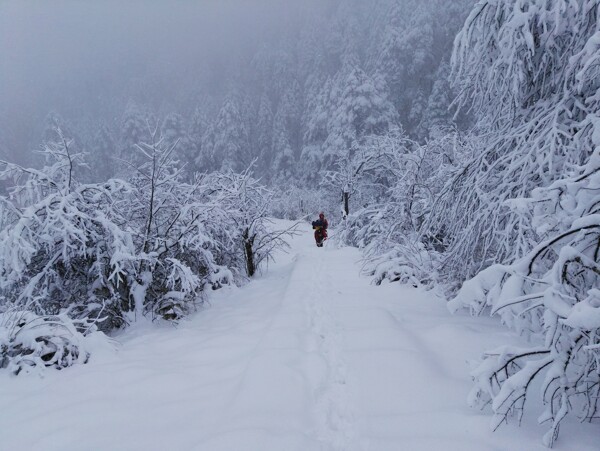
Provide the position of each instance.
(83, 57)
(289, 84)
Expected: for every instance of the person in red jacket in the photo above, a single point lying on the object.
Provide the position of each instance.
(320, 226)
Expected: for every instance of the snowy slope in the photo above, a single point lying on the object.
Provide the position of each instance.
(308, 357)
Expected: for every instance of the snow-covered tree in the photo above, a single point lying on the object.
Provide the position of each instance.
(436, 120)
(390, 228)
(283, 158)
(173, 130)
(79, 257)
(263, 136)
(361, 108)
(61, 246)
(197, 157)
(553, 292)
(531, 72)
(135, 127)
(365, 171)
(286, 131)
(102, 157)
(174, 226)
(413, 40)
(529, 112)
(230, 136)
(296, 202)
(248, 204)
(315, 128)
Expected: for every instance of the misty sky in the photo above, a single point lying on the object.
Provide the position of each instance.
(75, 56)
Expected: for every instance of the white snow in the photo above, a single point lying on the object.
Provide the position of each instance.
(310, 356)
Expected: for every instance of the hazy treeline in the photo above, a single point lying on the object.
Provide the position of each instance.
(293, 85)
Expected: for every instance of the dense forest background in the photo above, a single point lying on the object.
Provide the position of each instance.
(292, 86)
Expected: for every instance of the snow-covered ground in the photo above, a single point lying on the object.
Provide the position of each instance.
(309, 356)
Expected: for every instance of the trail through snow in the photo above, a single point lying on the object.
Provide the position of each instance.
(309, 356)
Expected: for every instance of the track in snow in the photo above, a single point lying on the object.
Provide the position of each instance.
(333, 405)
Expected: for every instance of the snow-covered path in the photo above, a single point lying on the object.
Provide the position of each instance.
(308, 357)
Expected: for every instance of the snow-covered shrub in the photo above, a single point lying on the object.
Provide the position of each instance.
(405, 260)
(247, 205)
(115, 251)
(391, 251)
(390, 231)
(529, 71)
(178, 230)
(365, 176)
(551, 292)
(295, 202)
(29, 342)
(359, 228)
(108, 253)
(67, 252)
(362, 174)
(63, 247)
(530, 202)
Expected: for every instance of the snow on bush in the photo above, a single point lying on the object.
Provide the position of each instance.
(552, 293)
(63, 246)
(530, 202)
(406, 261)
(390, 230)
(177, 232)
(532, 81)
(29, 342)
(106, 254)
(361, 174)
(248, 205)
(294, 202)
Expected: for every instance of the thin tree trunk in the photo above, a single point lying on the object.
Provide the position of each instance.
(346, 197)
(249, 253)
